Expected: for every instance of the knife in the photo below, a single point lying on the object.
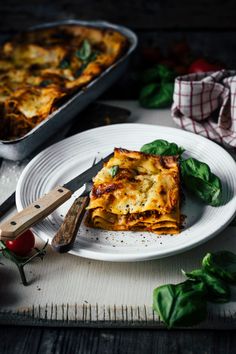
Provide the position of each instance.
(65, 237)
(42, 207)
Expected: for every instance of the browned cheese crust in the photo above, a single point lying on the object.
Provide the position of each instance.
(39, 70)
(136, 191)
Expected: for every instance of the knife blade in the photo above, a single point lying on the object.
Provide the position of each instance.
(42, 207)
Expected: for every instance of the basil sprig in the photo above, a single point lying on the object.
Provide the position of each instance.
(217, 289)
(86, 55)
(158, 73)
(196, 175)
(185, 304)
(222, 265)
(156, 95)
(85, 51)
(157, 87)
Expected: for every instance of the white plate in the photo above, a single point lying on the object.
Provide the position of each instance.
(64, 160)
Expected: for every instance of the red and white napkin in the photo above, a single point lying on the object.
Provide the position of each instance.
(205, 104)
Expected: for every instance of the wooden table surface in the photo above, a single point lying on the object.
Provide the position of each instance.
(23, 339)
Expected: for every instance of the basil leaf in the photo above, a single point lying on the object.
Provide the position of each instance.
(199, 179)
(183, 304)
(64, 64)
(221, 264)
(80, 70)
(157, 95)
(162, 147)
(196, 175)
(45, 83)
(93, 55)
(217, 289)
(86, 56)
(158, 73)
(85, 51)
(114, 170)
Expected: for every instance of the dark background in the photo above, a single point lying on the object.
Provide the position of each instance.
(207, 27)
(140, 15)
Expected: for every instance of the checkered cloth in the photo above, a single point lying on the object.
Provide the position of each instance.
(205, 104)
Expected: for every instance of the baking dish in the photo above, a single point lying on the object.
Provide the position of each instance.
(59, 120)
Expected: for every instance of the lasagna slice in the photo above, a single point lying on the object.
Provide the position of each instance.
(136, 191)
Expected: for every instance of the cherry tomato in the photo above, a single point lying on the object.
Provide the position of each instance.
(23, 244)
(202, 65)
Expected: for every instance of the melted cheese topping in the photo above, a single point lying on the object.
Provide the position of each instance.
(39, 68)
(34, 103)
(143, 193)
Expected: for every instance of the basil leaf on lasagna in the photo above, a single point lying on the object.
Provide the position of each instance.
(64, 64)
(114, 170)
(85, 51)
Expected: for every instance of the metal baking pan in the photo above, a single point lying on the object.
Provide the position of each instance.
(56, 122)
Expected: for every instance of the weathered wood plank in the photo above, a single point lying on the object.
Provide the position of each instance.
(83, 341)
(19, 340)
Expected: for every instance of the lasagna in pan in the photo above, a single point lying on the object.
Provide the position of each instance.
(40, 69)
(136, 191)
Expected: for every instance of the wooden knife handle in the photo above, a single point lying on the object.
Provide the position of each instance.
(35, 212)
(64, 239)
